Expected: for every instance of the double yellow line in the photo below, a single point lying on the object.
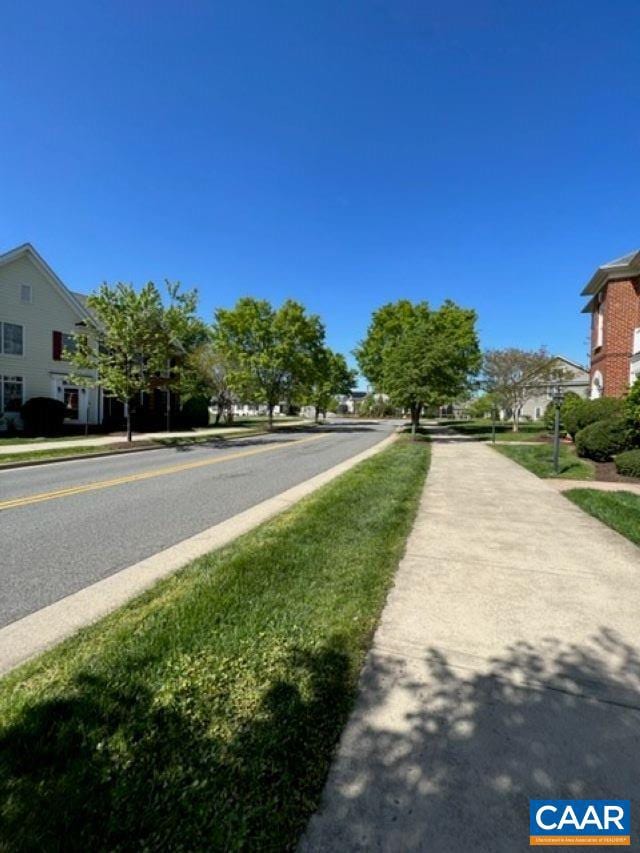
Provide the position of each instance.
(148, 475)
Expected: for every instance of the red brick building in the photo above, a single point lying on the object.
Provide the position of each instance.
(614, 305)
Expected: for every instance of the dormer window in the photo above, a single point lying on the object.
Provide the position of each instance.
(26, 294)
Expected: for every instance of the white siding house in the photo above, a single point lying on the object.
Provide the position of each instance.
(37, 312)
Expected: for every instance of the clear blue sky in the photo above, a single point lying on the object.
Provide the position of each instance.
(345, 154)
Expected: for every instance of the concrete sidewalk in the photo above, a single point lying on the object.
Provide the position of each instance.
(506, 667)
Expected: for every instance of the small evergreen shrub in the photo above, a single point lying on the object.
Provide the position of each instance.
(195, 412)
(601, 440)
(43, 416)
(628, 463)
(580, 413)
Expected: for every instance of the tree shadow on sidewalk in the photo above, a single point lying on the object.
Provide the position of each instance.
(443, 758)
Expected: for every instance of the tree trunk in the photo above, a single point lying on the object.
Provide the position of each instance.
(127, 413)
(317, 418)
(516, 419)
(270, 415)
(218, 414)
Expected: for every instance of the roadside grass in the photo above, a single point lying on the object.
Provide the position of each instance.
(481, 429)
(204, 715)
(52, 453)
(6, 442)
(619, 510)
(539, 460)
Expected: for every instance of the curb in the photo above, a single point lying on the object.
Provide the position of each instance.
(33, 634)
(30, 463)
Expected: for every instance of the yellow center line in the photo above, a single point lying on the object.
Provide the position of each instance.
(147, 475)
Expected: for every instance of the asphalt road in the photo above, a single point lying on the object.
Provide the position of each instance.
(66, 525)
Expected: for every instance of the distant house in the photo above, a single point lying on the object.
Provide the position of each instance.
(348, 403)
(614, 305)
(38, 316)
(572, 377)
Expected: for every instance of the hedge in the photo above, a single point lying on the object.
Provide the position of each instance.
(601, 440)
(628, 463)
(581, 413)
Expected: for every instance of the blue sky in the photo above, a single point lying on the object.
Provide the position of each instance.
(342, 153)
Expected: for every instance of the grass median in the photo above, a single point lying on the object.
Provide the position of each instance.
(619, 510)
(539, 460)
(203, 716)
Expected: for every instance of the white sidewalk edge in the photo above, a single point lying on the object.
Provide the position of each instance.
(33, 634)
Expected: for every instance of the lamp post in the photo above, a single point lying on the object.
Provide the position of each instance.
(494, 415)
(557, 395)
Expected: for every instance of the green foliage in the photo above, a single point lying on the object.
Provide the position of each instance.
(512, 376)
(632, 408)
(195, 412)
(581, 413)
(330, 376)
(571, 399)
(419, 356)
(274, 352)
(43, 416)
(375, 406)
(386, 328)
(481, 406)
(205, 715)
(628, 463)
(601, 440)
(133, 342)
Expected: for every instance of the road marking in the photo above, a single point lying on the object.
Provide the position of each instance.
(147, 475)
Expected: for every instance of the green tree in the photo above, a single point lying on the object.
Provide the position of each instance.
(208, 373)
(331, 376)
(133, 343)
(433, 360)
(273, 350)
(386, 328)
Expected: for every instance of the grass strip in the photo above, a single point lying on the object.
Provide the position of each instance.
(54, 453)
(619, 510)
(204, 715)
(539, 460)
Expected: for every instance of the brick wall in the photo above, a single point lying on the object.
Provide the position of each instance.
(621, 305)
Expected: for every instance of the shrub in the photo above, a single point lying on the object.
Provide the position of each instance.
(195, 412)
(43, 416)
(628, 463)
(580, 413)
(603, 439)
(632, 408)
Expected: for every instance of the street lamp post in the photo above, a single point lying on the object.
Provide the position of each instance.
(557, 395)
(494, 415)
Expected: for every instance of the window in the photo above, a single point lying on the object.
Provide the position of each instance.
(599, 320)
(636, 341)
(11, 393)
(12, 339)
(25, 293)
(61, 342)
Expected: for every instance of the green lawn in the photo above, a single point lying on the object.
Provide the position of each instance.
(6, 442)
(539, 460)
(481, 429)
(53, 453)
(204, 715)
(620, 510)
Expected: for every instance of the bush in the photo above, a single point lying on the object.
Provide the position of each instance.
(580, 413)
(43, 416)
(603, 439)
(628, 463)
(195, 412)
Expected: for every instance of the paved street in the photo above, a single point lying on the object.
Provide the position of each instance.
(66, 525)
(506, 667)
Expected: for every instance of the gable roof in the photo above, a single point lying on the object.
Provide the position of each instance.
(75, 300)
(572, 363)
(619, 269)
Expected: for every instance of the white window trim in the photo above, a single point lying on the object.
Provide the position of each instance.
(9, 376)
(24, 340)
(28, 301)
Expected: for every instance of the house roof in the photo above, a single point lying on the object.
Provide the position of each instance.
(619, 269)
(75, 300)
(572, 363)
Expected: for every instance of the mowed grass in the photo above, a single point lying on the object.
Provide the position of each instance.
(204, 715)
(481, 429)
(53, 453)
(539, 460)
(619, 510)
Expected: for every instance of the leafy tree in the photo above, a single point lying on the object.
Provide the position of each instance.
(209, 372)
(434, 358)
(273, 350)
(632, 409)
(386, 328)
(331, 376)
(133, 343)
(512, 376)
(481, 406)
